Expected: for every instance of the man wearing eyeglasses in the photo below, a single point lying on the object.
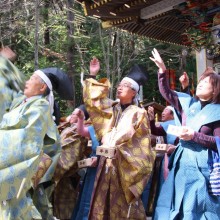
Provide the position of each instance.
(126, 157)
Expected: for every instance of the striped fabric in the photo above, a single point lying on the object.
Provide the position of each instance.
(214, 181)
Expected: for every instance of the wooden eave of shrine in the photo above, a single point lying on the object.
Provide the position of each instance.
(162, 20)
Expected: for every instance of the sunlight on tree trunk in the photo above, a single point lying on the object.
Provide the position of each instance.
(70, 48)
(46, 22)
(36, 34)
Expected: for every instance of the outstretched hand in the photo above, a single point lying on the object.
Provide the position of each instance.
(94, 66)
(77, 114)
(150, 111)
(186, 134)
(184, 80)
(158, 61)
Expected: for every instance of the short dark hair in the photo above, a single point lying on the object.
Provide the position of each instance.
(47, 91)
(171, 112)
(215, 82)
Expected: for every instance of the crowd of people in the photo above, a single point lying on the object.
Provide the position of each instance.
(100, 163)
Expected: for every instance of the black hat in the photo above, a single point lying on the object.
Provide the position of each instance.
(61, 82)
(139, 74)
(83, 108)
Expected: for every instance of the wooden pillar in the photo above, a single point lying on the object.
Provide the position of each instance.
(202, 62)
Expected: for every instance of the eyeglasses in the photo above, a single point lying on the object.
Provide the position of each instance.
(124, 85)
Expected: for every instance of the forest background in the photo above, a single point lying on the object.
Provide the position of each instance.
(55, 33)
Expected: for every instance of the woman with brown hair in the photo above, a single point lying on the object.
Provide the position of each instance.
(185, 193)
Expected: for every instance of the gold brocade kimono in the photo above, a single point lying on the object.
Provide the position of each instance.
(119, 181)
(73, 149)
(66, 177)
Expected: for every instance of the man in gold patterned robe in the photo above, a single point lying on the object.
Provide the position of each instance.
(66, 173)
(123, 127)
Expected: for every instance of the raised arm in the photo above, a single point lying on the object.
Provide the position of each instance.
(164, 88)
(81, 128)
(94, 66)
(184, 81)
(95, 96)
(158, 131)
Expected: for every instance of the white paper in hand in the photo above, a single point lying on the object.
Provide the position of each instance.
(174, 130)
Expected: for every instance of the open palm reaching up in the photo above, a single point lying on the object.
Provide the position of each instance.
(158, 61)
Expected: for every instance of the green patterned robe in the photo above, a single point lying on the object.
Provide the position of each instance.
(22, 137)
(11, 81)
